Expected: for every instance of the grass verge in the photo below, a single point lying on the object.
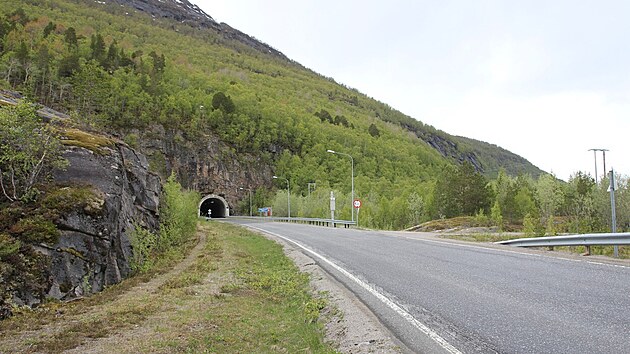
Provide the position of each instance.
(235, 292)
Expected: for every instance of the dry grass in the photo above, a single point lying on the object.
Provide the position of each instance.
(234, 292)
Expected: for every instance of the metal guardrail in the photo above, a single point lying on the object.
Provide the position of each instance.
(310, 221)
(586, 240)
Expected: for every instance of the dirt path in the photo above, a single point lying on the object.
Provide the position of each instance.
(115, 321)
(153, 327)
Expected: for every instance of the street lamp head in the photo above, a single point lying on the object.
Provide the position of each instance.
(330, 151)
(275, 177)
(241, 188)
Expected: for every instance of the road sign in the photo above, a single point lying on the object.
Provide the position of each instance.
(332, 201)
(356, 203)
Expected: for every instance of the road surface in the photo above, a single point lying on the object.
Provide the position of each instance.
(440, 296)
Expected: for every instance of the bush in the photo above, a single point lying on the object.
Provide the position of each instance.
(143, 242)
(178, 214)
(29, 151)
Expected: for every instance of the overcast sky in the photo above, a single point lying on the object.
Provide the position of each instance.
(547, 80)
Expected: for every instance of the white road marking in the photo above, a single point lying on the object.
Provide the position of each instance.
(391, 304)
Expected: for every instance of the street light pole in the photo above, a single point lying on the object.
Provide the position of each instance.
(250, 199)
(595, 156)
(351, 178)
(288, 196)
(611, 189)
(604, 158)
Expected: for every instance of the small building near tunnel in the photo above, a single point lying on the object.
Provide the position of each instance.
(217, 206)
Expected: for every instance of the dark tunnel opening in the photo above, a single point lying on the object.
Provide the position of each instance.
(216, 207)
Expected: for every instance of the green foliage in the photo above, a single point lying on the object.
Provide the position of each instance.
(461, 191)
(532, 226)
(481, 219)
(223, 102)
(8, 246)
(22, 270)
(29, 151)
(178, 214)
(373, 130)
(581, 205)
(549, 195)
(143, 243)
(178, 222)
(36, 229)
(495, 215)
(57, 201)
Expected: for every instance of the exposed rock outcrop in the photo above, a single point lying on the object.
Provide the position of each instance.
(205, 164)
(449, 149)
(94, 249)
(185, 12)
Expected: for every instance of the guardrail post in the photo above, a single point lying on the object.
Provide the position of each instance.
(587, 251)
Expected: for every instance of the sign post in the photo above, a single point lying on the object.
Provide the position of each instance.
(611, 189)
(332, 205)
(357, 205)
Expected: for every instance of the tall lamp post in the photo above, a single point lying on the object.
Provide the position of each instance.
(288, 196)
(595, 156)
(250, 199)
(351, 178)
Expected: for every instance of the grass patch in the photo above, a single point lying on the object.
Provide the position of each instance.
(482, 237)
(80, 138)
(269, 307)
(238, 293)
(452, 223)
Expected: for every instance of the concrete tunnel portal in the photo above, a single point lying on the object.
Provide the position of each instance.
(217, 206)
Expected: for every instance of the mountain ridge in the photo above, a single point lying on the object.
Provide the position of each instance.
(185, 12)
(479, 153)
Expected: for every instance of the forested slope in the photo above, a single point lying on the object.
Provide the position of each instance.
(126, 71)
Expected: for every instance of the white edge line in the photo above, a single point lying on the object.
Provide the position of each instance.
(391, 304)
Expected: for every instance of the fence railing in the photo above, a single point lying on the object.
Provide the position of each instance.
(586, 240)
(310, 221)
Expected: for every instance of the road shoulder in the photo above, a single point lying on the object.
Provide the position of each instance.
(349, 323)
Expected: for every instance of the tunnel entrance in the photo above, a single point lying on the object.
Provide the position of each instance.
(217, 205)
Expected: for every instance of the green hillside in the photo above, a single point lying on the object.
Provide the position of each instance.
(124, 72)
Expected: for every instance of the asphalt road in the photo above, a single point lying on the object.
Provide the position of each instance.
(439, 296)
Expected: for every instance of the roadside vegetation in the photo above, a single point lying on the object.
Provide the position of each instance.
(234, 292)
(178, 222)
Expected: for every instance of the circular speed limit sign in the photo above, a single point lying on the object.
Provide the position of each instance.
(356, 203)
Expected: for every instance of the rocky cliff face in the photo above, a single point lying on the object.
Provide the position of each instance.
(205, 164)
(94, 248)
(448, 149)
(185, 12)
